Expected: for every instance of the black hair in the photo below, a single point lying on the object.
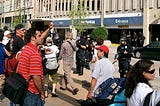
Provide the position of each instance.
(99, 40)
(29, 33)
(136, 76)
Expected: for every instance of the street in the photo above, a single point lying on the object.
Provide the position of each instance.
(66, 98)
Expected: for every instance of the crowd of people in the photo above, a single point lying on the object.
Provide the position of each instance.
(39, 57)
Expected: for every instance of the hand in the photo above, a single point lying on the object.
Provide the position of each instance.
(59, 62)
(51, 25)
(42, 96)
(89, 96)
(125, 52)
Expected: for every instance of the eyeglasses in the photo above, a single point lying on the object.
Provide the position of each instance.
(151, 71)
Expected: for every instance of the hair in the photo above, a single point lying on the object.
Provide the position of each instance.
(136, 75)
(99, 40)
(68, 35)
(29, 33)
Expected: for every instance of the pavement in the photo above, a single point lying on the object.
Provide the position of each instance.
(82, 82)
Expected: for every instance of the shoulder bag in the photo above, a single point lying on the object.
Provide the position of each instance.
(15, 87)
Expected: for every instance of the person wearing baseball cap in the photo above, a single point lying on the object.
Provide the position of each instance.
(7, 36)
(103, 70)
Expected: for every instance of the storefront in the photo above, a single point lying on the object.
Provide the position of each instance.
(116, 26)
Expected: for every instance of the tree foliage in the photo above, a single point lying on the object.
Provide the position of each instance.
(77, 15)
(18, 18)
(100, 31)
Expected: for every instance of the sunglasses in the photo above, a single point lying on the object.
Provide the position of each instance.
(22, 29)
(151, 71)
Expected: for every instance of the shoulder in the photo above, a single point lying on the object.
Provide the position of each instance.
(142, 89)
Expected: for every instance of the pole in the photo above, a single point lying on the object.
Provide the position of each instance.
(146, 21)
(24, 13)
(102, 13)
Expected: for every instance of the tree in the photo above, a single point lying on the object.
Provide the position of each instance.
(77, 15)
(100, 31)
(18, 18)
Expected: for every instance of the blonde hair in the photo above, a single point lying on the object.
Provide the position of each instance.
(69, 35)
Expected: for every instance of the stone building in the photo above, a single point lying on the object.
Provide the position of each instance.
(118, 16)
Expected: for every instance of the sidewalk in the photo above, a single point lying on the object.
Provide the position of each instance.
(66, 98)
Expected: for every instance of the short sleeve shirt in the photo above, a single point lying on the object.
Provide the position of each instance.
(103, 70)
(29, 64)
(139, 94)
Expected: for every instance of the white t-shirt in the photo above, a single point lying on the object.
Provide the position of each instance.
(103, 70)
(139, 94)
(54, 50)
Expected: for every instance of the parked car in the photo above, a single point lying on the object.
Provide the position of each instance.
(150, 51)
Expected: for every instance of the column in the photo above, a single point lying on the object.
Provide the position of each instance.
(102, 13)
(146, 21)
(95, 5)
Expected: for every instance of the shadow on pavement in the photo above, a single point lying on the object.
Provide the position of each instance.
(68, 99)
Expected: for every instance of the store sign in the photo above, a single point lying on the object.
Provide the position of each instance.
(121, 21)
(88, 22)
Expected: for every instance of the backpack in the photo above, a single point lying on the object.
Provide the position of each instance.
(152, 98)
(10, 64)
(51, 63)
(109, 93)
(109, 88)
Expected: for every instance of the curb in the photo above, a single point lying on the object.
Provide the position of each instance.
(114, 44)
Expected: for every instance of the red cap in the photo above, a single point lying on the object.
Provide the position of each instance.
(103, 48)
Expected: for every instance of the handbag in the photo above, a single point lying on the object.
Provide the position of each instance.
(15, 88)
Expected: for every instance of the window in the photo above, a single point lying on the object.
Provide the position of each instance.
(92, 5)
(98, 5)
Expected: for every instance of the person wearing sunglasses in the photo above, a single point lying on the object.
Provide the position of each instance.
(137, 82)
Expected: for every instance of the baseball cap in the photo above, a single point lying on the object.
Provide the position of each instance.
(6, 33)
(103, 48)
(19, 26)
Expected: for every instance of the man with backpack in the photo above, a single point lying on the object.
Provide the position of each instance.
(103, 70)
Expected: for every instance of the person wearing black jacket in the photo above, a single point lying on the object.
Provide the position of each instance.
(83, 54)
(124, 54)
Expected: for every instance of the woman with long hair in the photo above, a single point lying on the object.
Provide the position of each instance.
(137, 82)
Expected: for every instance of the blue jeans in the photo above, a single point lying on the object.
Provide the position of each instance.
(32, 99)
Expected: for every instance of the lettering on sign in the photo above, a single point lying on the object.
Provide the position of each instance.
(121, 21)
(88, 22)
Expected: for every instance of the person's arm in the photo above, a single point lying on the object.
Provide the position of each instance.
(44, 34)
(93, 83)
(38, 83)
(7, 52)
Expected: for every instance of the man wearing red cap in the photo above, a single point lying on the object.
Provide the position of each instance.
(103, 70)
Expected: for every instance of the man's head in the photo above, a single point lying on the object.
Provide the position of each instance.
(33, 36)
(123, 40)
(102, 51)
(20, 30)
(69, 35)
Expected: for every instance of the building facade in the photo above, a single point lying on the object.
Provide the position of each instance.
(118, 16)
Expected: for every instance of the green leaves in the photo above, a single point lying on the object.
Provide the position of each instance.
(100, 31)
